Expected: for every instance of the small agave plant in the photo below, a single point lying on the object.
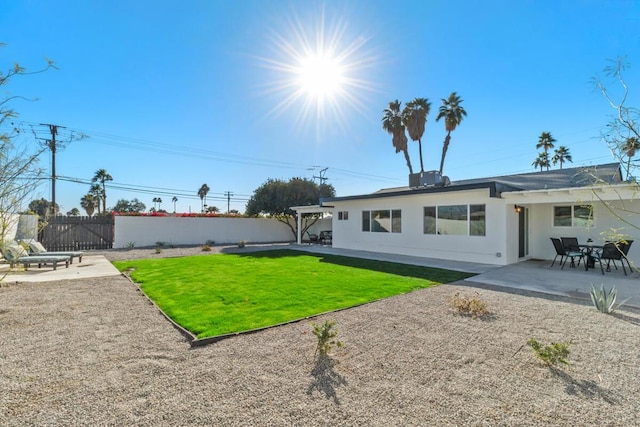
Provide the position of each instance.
(605, 301)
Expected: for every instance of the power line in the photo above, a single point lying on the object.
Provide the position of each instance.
(175, 150)
(157, 191)
(54, 144)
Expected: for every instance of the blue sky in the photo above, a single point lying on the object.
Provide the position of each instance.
(177, 94)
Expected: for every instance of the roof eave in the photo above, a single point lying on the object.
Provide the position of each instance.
(495, 189)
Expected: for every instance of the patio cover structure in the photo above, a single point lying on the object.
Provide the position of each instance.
(301, 211)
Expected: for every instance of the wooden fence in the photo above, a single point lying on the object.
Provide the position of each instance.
(63, 233)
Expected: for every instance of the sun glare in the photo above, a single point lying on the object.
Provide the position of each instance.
(320, 75)
(318, 70)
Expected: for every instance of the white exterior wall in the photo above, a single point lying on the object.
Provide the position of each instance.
(147, 230)
(604, 221)
(502, 227)
(412, 240)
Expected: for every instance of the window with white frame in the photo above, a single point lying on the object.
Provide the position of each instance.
(382, 221)
(460, 220)
(573, 216)
(343, 215)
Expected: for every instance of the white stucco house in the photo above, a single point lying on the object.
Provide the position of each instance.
(498, 220)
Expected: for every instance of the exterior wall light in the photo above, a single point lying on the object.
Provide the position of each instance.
(518, 209)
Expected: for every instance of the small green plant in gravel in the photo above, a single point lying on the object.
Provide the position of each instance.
(131, 245)
(469, 305)
(242, 243)
(326, 334)
(605, 301)
(158, 249)
(205, 248)
(552, 353)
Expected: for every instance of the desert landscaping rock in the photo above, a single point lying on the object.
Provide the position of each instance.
(96, 352)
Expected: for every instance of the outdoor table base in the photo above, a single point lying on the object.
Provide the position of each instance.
(590, 262)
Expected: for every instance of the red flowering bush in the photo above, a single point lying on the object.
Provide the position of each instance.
(180, 215)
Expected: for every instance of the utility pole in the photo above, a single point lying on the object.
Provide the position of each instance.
(322, 178)
(54, 144)
(228, 194)
(51, 144)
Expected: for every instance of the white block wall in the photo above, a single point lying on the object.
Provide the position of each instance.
(147, 230)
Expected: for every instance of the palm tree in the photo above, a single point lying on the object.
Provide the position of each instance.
(453, 113)
(96, 192)
(392, 124)
(202, 192)
(630, 147)
(545, 141)
(102, 176)
(541, 161)
(561, 155)
(174, 200)
(157, 200)
(414, 117)
(88, 203)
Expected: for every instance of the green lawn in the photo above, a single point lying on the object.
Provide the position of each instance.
(220, 294)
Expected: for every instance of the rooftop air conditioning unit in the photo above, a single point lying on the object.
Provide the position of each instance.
(425, 179)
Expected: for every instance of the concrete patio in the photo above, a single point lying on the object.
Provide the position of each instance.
(91, 266)
(527, 276)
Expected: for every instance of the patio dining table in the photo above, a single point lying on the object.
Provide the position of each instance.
(588, 249)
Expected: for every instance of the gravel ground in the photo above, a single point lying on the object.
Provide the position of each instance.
(96, 352)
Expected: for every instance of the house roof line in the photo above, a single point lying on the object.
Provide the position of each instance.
(492, 186)
(569, 178)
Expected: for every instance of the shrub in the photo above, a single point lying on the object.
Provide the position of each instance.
(210, 242)
(242, 243)
(469, 305)
(550, 354)
(159, 243)
(325, 334)
(131, 245)
(605, 301)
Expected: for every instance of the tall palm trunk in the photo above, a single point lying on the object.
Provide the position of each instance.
(547, 156)
(445, 147)
(104, 198)
(406, 156)
(420, 148)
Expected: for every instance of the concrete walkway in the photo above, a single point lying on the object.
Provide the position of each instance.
(526, 276)
(469, 267)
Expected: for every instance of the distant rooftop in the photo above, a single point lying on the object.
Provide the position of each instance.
(558, 178)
